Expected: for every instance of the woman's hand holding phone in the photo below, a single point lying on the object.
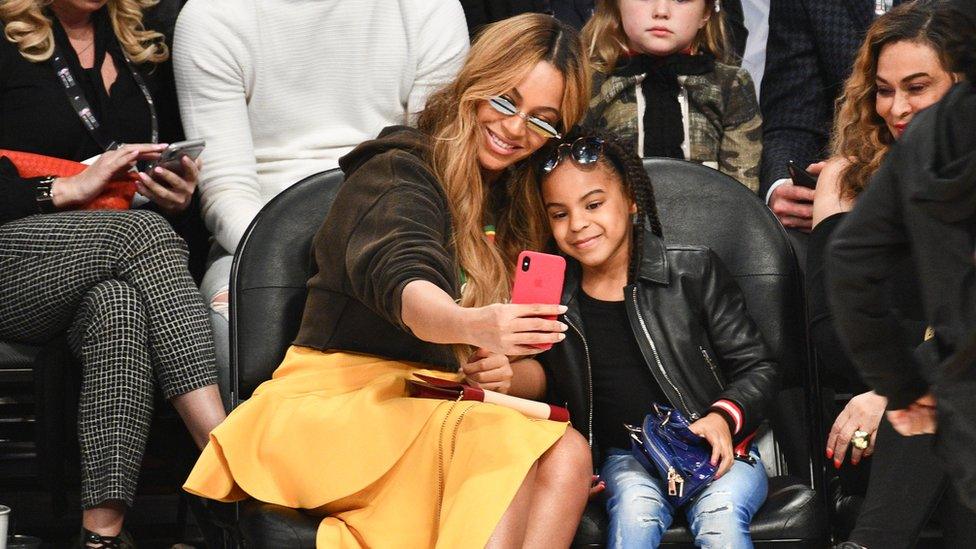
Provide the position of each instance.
(172, 191)
(513, 329)
(74, 191)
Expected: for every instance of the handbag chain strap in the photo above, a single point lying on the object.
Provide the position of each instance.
(440, 447)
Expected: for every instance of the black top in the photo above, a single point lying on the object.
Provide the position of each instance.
(903, 295)
(623, 388)
(36, 116)
(921, 203)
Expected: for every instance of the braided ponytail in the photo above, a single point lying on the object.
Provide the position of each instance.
(629, 167)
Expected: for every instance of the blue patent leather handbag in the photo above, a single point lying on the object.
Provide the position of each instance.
(665, 446)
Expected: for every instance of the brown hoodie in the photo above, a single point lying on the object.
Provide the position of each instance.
(389, 225)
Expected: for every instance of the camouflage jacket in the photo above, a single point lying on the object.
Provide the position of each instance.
(722, 124)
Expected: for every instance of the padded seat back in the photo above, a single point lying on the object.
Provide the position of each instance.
(702, 206)
(268, 277)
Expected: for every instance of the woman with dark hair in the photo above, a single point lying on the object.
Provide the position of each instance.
(903, 67)
(409, 282)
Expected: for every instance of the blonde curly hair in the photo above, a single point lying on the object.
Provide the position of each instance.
(27, 26)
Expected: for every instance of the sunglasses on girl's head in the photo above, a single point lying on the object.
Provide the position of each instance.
(584, 151)
(505, 106)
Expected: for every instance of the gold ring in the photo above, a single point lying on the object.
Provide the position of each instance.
(860, 439)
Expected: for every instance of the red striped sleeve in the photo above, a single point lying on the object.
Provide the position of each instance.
(732, 410)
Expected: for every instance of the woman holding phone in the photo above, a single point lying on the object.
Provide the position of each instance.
(77, 78)
(408, 282)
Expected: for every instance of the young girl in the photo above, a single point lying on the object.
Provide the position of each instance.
(666, 85)
(651, 323)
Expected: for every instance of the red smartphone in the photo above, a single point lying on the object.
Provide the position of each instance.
(539, 279)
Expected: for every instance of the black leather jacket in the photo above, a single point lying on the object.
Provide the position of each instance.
(691, 324)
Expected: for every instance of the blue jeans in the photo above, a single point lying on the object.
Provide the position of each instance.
(640, 512)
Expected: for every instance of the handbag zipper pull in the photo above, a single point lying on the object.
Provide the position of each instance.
(676, 484)
(672, 485)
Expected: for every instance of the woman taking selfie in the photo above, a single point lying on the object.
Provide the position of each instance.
(408, 282)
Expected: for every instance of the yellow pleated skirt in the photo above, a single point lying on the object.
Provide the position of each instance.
(335, 433)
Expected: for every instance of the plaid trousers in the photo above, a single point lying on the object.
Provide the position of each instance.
(117, 283)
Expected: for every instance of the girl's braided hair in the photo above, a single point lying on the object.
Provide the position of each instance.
(629, 168)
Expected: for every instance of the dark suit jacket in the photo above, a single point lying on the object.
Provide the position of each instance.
(809, 53)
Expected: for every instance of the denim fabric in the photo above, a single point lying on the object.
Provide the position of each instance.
(719, 517)
(215, 281)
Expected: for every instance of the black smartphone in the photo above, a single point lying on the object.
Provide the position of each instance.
(172, 157)
(800, 176)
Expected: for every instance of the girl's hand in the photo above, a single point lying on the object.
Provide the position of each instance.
(862, 413)
(597, 485)
(170, 190)
(488, 370)
(77, 190)
(511, 329)
(714, 429)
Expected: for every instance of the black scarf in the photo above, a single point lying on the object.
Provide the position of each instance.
(663, 127)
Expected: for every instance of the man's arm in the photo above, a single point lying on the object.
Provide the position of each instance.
(210, 60)
(443, 41)
(796, 114)
(864, 252)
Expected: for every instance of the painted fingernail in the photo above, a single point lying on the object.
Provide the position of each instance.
(829, 453)
(562, 309)
(836, 464)
(562, 337)
(563, 327)
(855, 461)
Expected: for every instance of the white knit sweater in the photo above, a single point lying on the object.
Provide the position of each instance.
(281, 89)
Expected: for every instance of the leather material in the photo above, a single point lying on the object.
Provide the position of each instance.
(17, 355)
(697, 205)
(791, 513)
(268, 279)
(700, 206)
(267, 526)
(685, 313)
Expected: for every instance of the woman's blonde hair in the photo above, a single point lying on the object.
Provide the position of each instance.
(500, 58)
(27, 26)
(861, 136)
(605, 41)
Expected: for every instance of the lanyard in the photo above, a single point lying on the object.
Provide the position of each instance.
(77, 98)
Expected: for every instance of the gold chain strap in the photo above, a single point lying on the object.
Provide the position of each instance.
(440, 447)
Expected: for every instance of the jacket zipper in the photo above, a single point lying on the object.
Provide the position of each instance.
(711, 366)
(589, 381)
(657, 358)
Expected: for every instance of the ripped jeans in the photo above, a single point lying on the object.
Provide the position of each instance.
(719, 517)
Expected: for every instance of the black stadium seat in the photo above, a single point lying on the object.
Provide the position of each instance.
(698, 205)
